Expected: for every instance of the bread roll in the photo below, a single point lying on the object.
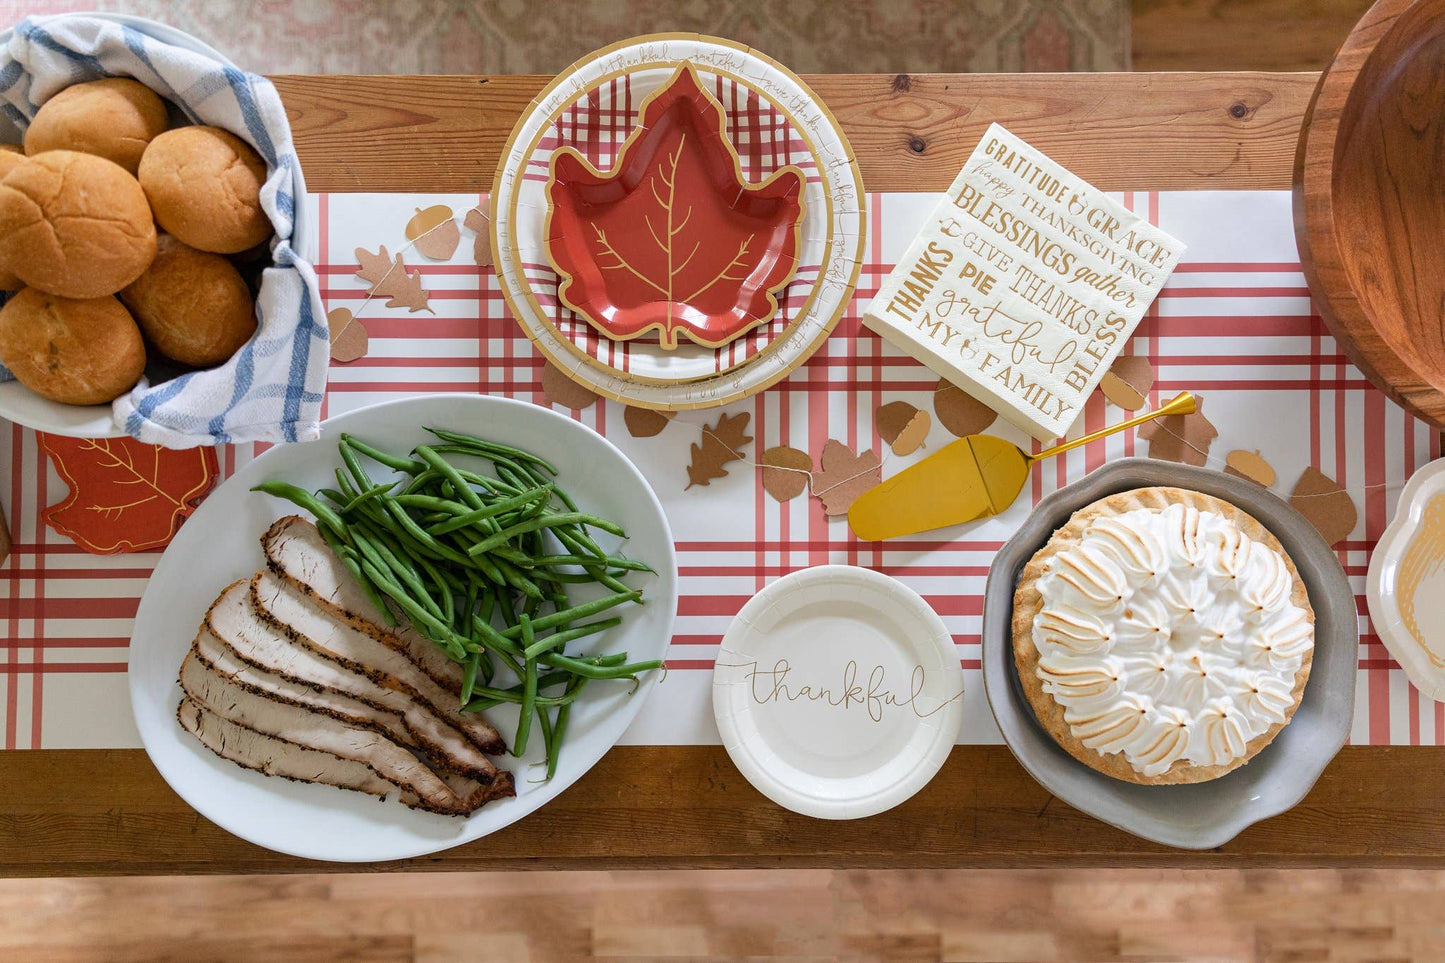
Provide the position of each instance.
(115, 118)
(74, 224)
(193, 306)
(9, 160)
(204, 185)
(79, 352)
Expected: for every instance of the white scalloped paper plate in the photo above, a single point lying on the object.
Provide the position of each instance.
(1406, 584)
(838, 692)
(516, 234)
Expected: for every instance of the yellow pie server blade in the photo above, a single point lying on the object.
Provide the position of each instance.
(972, 478)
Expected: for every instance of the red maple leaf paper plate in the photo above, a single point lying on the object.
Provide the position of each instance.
(673, 239)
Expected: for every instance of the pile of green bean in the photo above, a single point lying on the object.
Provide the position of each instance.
(481, 564)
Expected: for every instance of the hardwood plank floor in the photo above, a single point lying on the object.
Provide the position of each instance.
(1240, 34)
(1313, 915)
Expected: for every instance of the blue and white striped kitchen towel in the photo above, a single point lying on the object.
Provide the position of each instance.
(271, 389)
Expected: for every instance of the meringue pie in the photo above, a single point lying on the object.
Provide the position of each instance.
(1162, 636)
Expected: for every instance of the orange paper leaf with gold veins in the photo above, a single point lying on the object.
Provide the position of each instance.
(673, 239)
(125, 496)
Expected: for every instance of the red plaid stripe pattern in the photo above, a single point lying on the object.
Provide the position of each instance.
(1234, 323)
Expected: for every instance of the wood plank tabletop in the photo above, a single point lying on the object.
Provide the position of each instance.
(108, 811)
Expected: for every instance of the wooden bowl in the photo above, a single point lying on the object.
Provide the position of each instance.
(1369, 206)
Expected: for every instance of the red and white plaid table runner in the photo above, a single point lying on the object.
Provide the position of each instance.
(1234, 324)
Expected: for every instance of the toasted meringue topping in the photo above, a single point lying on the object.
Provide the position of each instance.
(1170, 635)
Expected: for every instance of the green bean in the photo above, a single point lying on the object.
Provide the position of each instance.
(381, 557)
(464, 491)
(529, 692)
(591, 671)
(437, 631)
(557, 639)
(568, 616)
(492, 447)
(303, 499)
(431, 502)
(469, 676)
(496, 508)
(382, 458)
(349, 560)
(613, 562)
(552, 520)
(558, 732)
(353, 465)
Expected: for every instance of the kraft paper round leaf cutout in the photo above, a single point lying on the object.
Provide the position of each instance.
(902, 426)
(786, 472)
(433, 232)
(960, 412)
(125, 496)
(1328, 507)
(842, 476)
(1251, 465)
(563, 391)
(1182, 438)
(388, 278)
(477, 220)
(644, 422)
(721, 443)
(1127, 383)
(349, 339)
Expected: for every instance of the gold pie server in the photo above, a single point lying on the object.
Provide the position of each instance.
(971, 478)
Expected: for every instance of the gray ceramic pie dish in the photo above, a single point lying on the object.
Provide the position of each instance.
(1201, 815)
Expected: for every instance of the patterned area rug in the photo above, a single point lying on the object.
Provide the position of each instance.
(523, 36)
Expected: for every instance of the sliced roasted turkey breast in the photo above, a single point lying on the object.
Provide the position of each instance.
(296, 550)
(238, 641)
(314, 730)
(291, 610)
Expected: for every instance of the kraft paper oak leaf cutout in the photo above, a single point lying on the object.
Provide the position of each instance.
(673, 240)
(721, 443)
(842, 476)
(388, 278)
(1182, 438)
(125, 496)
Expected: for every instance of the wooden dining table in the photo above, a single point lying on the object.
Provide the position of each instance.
(92, 812)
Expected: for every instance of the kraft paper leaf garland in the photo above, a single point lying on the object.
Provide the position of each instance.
(787, 472)
(125, 496)
(434, 232)
(644, 422)
(722, 443)
(1128, 381)
(902, 426)
(1328, 507)
(843, 475)
(1182, 438)
(563, 391)
(958, 411)
(1251, 465)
